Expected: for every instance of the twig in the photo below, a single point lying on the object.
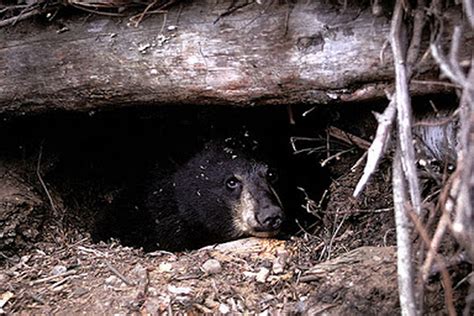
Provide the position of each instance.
(348, 137)
(22, 17)
(142, 15)
(43, 184)
(119, 275)
(84, 8)
(7, 258)
(359, 162)
(437, 83)
(378, 146)
(53, 277)
(463, 227)
(448, 286)
(333, 237)
(61, 282)
(469, 9)
(36, 298)
(403, 103)
(232, 8)
(415, 43)
(335, 156)
(358, 211)
(93, 251)
(450, 67)
(443, 223)
(404, 267)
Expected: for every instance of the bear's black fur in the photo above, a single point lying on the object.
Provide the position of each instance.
(222, 193)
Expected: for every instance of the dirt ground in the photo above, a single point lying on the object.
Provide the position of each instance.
(347, 268)
(343, 264)
(250, 275)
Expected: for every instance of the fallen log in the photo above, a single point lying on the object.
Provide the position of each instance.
(200, 53)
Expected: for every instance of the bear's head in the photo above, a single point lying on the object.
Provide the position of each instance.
(224, 194)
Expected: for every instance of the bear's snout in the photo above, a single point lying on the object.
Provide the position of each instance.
(269, 218)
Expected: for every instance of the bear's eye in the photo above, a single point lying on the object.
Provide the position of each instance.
(232, 183)
(272, 175)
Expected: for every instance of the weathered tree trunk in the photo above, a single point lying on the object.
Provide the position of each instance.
(309, 52)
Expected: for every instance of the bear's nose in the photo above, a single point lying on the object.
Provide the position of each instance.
(270, 218)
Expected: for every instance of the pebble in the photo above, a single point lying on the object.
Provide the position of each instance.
(262, 275)
(113, 281)
(179, 290)
(212, 266)
(165, 267)
(58, 270)
(224, 309)
(280, 262)
(5, 297)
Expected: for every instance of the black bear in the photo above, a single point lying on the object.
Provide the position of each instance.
(221, 193)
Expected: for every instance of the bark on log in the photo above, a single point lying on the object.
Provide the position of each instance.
(308, 52)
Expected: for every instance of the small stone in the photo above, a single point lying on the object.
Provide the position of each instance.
(58, 270)
(4, 297)
(224, 309)
(264, 313)
(280, 262)
(212, 266)
(211, 303)
(262, 275)
(113, 281)
(249, 275)
(179, 290)
(165, 267)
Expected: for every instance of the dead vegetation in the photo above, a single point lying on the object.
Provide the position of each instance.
(13, 13)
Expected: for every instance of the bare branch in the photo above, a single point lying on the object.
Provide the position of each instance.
(447, 283)
(415, 43)
(404, 116)
(463, 225)
(469, 9)
(378, 146)
(348, 137)
(40, 178)
(451, 67)
(404, 267)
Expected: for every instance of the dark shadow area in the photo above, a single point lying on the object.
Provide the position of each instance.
(103, 162)
(91, 163)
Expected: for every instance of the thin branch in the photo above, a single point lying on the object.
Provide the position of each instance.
(348, 137)
(447, 283)
(119, 275)
(378, 146)
(415, 43)
(404, 116)
(404, 267)
(443, 223)
(40, 178)
(21, 17)
(469, 9)
(450, 67)
(463, 226)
